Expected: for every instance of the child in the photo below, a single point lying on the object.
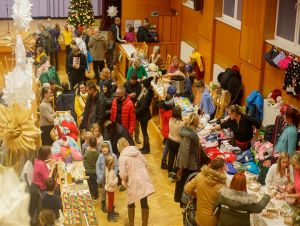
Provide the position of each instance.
(206, 104)
(97, 133)
(86, 144)
(130, 36)
(50, 200)
(100, 169)
(89, 160)
(111, 183)
(47, 217)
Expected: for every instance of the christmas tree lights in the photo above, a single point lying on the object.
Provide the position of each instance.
(81, 13)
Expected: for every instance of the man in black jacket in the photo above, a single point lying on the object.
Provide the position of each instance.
(143, 34)
(115, 30)
(94, 109)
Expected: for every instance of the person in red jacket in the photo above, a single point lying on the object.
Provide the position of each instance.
(165, 112)
(123, 110)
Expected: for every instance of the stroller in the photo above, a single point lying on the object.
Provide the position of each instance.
(189, 213)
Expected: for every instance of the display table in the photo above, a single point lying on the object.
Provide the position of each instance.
(124, 53)
(78, 206)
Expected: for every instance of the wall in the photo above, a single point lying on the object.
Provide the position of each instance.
(138, 10)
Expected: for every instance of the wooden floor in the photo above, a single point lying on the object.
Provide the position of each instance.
(163, 210)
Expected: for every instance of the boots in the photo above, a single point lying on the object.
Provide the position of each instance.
(103, 206)
(111, 217)
(131, 213)
(145, 217)
(146, 146)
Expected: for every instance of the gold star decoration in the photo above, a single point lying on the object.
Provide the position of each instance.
(10, 40)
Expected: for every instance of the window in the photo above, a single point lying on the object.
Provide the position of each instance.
(232, 10)
(288, 22)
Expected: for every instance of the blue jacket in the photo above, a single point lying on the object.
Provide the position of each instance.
(255, 105)
(207, 104)
(100, 166)
(287, 141)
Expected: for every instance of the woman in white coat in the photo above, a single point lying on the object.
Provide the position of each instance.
(134, 175)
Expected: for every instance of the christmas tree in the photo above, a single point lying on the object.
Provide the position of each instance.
(81, 13)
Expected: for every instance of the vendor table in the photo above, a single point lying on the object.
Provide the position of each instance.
(78, 206)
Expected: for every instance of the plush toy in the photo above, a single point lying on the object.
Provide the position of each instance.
(279, 103)
(273, 95)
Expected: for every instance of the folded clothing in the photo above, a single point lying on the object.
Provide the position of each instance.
(246, 156)
(214, 152)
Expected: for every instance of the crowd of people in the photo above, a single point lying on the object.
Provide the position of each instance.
(110, 118)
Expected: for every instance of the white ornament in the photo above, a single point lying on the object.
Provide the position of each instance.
(112, 11)
(18, 83)
(21, 13)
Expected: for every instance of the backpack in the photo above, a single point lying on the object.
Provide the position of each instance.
(189, 213)
(255, 105)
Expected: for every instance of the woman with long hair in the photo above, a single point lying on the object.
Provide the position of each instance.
(234, 204)
(80, 100)
(47, 116)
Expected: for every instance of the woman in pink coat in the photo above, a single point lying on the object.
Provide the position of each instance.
(134, 175)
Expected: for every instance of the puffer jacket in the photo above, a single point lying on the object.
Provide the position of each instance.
(187, 157)
(128, 114)
(165, 112)
(100, 166)
(235, 207)
(205, 186)
(97, 46)
(134, 174)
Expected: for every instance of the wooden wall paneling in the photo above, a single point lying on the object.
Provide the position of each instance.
(270, 19)
(175, 5)
(273, 79)
(160, 28)
(167, 29)
(206, 19)
(226, 45)
(205, 49)
(189, 27)
(252, 32)
(174, 28)
(251, 78)
(137, 9)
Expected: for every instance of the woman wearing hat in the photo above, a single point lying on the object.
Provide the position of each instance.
(143, 111)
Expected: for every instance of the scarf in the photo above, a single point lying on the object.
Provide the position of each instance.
(39, 57)
(82, 99)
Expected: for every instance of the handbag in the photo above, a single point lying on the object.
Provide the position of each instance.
(269, 56)
(278, 58)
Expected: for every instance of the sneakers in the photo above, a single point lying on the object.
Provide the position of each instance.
(111, 217)
(172, 176)
(164, 164)
(116, 214)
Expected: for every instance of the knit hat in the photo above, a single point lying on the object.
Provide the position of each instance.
(107, 84)
(171, 90)
(147, 82)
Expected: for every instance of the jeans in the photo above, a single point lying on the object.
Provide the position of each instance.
(92, 182)
(173, 151)
(144, 126)
(98, 66)
(111, 199)
(166, 150)
(144, 204)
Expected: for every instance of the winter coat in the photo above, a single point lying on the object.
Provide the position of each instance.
(97, 47)
(55, 35)
(115, 30)
(80, 72)
(65, 102)
(94, 111)
(205, 186)
(111, 181)
(187, 157)
(165, 112)
(137, 88)
(46, 114)
(143, 35)
(40, 174)
(100, 167)
(287, 141)
(143, 105)
(81, 45)
(255, 105)
(236, 206)
(128, 114)
(79, 104)
(133, 172)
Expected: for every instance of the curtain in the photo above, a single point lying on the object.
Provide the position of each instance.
(106, 20)
(47, 8)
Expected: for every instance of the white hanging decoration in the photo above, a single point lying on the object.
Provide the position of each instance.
(14, 200)
(21, 13)
(18, 83)
(112, 11)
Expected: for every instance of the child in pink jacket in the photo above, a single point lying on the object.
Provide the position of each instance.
(111, 183)
(130, 36)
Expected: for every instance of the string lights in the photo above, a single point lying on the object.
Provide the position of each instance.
(81, 13)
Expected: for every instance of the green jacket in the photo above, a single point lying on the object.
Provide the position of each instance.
(141, 72)
(89, 160)
(234, 207)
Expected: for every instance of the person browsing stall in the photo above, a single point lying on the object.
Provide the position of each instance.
(241, 126)
(138, 68)
(157, 59)
(206, 104)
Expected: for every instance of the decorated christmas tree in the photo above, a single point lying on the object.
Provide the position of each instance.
(81, 13)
